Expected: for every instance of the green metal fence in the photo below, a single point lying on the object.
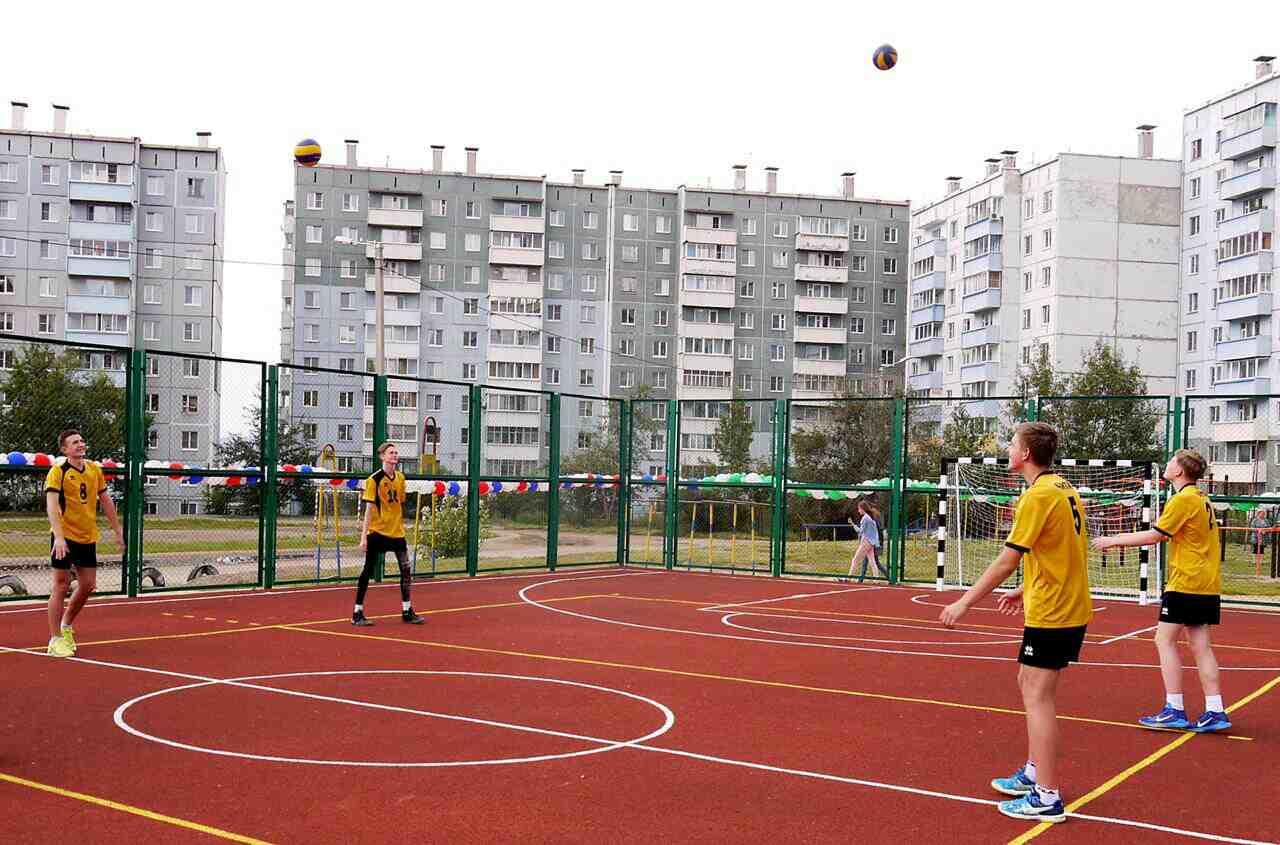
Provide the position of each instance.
(237, 473)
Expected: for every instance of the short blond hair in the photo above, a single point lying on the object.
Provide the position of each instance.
(1192, 462)
(387, 444)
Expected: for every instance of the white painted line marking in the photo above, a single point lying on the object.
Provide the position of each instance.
(1126, 636)
(733, 604)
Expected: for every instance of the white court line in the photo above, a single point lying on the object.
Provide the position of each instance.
(1126, 636)
(919, 599)
(729, 605)
(728, 618)
(832, 646)
(290, 590)
(872, 784)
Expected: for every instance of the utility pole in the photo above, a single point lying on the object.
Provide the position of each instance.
(378, 307)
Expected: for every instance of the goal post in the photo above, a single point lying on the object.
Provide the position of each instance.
(977, 498)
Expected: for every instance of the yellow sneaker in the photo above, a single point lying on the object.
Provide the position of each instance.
(58, 647)
(69, 637)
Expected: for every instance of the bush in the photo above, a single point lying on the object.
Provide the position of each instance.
(451, 527)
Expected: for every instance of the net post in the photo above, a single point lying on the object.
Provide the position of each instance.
(942, 528)
(135, 457)
(553, 482)
(1144, 551)
(475, 433)
(270, 460)
(624, 480)
(671, 519)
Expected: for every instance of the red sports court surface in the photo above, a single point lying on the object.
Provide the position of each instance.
(607, 705)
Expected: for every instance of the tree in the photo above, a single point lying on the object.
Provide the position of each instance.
(732, 438)
(1127, 426)
(246, 450)
(46, 392)
(962, 436)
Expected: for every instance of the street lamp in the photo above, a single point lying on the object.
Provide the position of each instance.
(379, 297)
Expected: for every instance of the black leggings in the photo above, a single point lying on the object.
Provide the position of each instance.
(373, 561)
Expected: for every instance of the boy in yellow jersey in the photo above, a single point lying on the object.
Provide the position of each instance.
(1192, 596)
(1049, 537)
(73, 490)
(383, 531)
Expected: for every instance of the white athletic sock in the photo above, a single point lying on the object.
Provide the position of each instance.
(1047, 796)
(1174, 700)
(66, 627)
(1029, 769)
(404, 606)
(1213, 703)
(359, 608)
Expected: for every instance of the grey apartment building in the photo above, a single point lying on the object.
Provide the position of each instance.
(118, 241)
(694, 293)
(1228, 345)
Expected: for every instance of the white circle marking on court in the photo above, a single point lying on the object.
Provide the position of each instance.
(605, 744)
(727, 620)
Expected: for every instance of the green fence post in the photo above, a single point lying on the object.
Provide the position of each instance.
(135, 457)
(671, 522)
(475, 421)
(553, 482)
(624, 481)
(270, 459)
(1031, 410)
(1177, 433)
(777, 546)
(897, 499)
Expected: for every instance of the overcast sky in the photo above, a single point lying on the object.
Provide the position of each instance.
(671, 93)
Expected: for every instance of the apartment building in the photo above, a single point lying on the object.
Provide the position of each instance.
(1048, 259)
(590, 289)
(119, 241)
(1228, 257)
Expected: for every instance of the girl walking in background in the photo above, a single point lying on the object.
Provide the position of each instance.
(868, 542)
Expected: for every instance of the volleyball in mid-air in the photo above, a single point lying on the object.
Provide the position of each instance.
(885, 57)
(307, 152)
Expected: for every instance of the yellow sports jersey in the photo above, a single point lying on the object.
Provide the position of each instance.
(78, 492)
(1195, 546)
(385, 495)
(1049, 529)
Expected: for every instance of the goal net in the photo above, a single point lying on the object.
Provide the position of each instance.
(976, 502)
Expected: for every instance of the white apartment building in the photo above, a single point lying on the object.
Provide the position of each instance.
(1051, 258)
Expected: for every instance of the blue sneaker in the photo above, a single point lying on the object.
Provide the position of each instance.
(1169, 717)
(1210, 722)
(1016, 784)
(1028, 807)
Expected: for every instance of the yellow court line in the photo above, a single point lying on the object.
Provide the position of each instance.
(1138, 766)
(713, 677)
(258, 627)
(729, 607)
(136, 811)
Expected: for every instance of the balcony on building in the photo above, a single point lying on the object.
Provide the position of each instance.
(700, 361)
(980, 337)
(708, 298)
(702, 391)
(99, 191)
(707, 266)
(937, 280)
(516, 322)
(821, 243)
(822, 304)
(1228, 431)
(396, 217)
(512, 452)
(984, 372)
(691, 329)
(807, 334)
(1252, 472)
(396, 251)
(980, 408)
(1243, 387)
(929, 348)
(925, 412)
(818, 273)
(1256, 305)
(934, 313)
(1262, 220)
(804, 366)
(93, 230)
(1246, 265)
(1249, 142)
(992, 225)
(517, 255)
(935, 246)
(531, 354)
(510, 223)
(79, 303)
(982, 300)
(392, 283)
(1249, 182)
(1245, 347)
(700, 235)
(991, 262)
(100, 265)
(394, 317)
(925, 381)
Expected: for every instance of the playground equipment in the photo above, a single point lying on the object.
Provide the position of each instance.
(735, 519)
(327, 501)
(429, 464)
